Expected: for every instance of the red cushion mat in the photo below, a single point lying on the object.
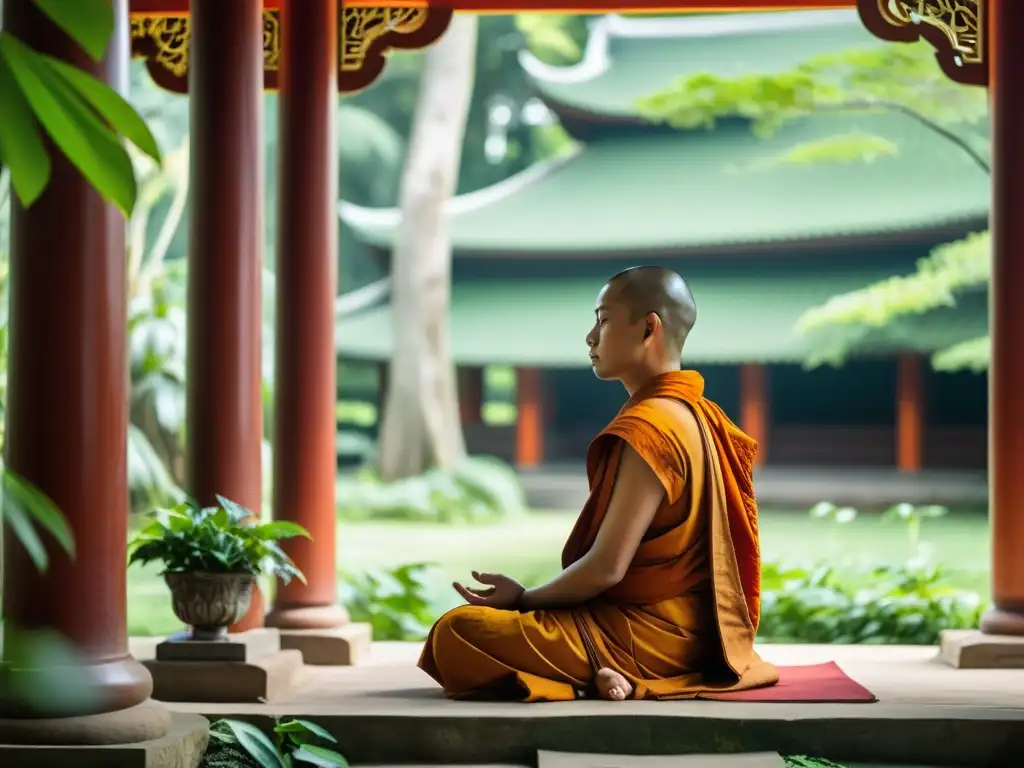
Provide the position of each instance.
(817, 684)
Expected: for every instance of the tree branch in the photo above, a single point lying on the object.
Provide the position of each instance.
(903, 109)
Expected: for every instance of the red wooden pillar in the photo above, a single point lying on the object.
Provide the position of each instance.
(471, 394)
(910, 414)
(755, 406)
(530, 419)
(1006, 372)
(225, 408)
(67, 409)
(307, 283)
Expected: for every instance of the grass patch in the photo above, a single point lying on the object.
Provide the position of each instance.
(529, 548)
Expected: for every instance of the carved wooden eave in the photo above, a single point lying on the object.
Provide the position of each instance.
(957, 29)
(161, 31)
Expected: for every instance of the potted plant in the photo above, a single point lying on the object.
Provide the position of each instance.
(212, 557)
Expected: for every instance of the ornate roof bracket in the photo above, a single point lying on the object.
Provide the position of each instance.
(957, 29)
(366, 35)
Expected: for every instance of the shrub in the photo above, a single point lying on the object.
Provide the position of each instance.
(480, 489)
(395, 603)
(910, 603)
(225, 539)
(236, 744)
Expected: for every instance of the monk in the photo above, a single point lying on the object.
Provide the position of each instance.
(660, 589)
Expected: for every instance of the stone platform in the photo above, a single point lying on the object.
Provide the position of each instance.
(182, 747)
(928, 714)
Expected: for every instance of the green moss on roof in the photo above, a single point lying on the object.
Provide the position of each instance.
(639, 66)
(742, 317)
(713, 188)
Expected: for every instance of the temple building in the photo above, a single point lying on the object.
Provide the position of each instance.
(759, 242)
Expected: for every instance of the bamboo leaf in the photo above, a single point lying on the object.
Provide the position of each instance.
(21, 147)
(90, 23)
(21, 526)
(39, 509)
(74, 128)
(109, 103)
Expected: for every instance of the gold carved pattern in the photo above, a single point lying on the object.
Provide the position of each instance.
(362, 27)
(271, 40)
(364, 36)
(961, 21)
(168, 36)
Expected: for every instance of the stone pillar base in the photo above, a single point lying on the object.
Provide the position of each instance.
(339, 647)
(145, 736)
(227, 682)
(249, 667)
(972, 649)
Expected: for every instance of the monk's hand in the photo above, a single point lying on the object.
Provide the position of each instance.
(499, 591)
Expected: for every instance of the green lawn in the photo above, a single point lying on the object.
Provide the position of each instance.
(529, 549)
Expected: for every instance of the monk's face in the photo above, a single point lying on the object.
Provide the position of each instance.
(616, 341)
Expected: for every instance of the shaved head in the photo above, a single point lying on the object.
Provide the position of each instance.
(661, 291)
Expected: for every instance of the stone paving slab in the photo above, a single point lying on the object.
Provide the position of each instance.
(927, 713)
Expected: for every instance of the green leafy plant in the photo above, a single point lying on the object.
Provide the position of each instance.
(480, 489)
(43, 96)
(802, 761)
(910, 603)
(236, 744)
(395, 603)
(223, 539)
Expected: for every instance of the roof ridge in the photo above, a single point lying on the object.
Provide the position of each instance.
(359, 215)
(597, 57)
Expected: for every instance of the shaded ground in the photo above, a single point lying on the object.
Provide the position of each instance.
(529, 549)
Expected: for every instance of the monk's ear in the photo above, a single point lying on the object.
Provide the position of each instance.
(652, 326)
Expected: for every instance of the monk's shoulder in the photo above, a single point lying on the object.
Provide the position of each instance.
(673, 417)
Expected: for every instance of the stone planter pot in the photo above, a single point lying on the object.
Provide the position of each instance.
(209, 603)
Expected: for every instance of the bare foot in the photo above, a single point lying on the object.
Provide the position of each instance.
(611, 686)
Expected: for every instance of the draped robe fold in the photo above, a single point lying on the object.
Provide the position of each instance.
(682, 621)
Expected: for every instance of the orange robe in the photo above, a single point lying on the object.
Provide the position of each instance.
(682, 621)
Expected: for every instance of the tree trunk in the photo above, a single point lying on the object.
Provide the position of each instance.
(421, 427)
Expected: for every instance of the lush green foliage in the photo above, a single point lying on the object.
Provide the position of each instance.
(224, 539)
(900, 79)
(908, 604)
(236, 744)
(480, 489)
(950, 271)
(43, 96)
(804, 601)
(395, 603)
(802, 761)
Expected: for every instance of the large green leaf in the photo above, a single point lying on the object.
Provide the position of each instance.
(109, 103)
(89, 144)
(90, 23)
(21, 148)
(256, 743)
(319, 756)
